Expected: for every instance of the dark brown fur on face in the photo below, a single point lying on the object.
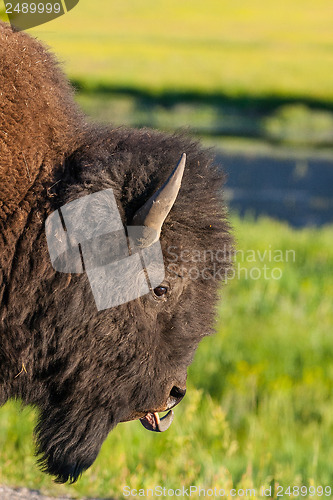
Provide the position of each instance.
(87, 370)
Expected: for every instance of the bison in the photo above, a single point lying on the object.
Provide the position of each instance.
(85, 369)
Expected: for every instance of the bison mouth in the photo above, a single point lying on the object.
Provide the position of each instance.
(153, 422)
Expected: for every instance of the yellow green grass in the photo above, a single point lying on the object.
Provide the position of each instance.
(240, 69)
(249, 47)
(259, 406)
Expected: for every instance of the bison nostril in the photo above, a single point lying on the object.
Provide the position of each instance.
(177, 393)
(175, 396)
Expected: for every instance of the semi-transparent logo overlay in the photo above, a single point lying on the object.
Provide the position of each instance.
(87, 235)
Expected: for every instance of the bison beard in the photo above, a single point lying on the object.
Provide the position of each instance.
(87, 370)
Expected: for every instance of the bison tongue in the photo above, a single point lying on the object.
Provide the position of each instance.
(152, 421)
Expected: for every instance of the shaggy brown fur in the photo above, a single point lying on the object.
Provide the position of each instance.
(87, 370)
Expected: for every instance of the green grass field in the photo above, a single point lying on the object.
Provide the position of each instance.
(259, 406)
(248, 47)
(248, 68)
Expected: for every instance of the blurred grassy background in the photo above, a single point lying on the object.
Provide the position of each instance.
(238, 48)
(224, 69)
(246, 74)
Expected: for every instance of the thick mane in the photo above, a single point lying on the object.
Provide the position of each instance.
(135, 163)
(31, 86)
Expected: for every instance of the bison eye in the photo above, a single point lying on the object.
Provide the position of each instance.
(159, 291)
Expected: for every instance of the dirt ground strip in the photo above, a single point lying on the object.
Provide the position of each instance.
(7, 493)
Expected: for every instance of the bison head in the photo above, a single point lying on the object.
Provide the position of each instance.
(87, 370)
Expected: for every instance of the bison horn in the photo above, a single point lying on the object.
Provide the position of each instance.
(154, 212)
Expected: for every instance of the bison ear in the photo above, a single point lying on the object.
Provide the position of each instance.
(154, 212)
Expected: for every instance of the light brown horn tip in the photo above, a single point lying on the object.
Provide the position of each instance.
(179, 170)
(154, 212)
(182, 161)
